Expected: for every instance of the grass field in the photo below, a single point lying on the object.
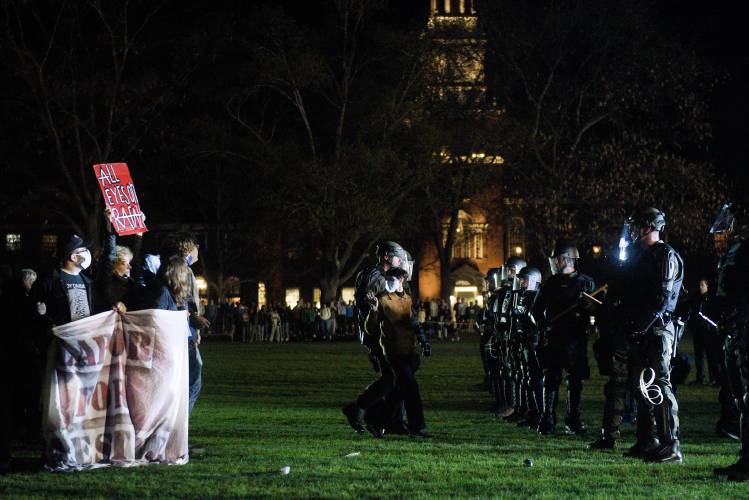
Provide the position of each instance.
(267, 406)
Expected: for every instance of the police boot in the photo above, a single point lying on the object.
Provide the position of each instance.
(738, 470)
(666, 453)
(509, 392)
(502, 409)
(604, 442)
(742, 464)
(354, 415)
(521, 404)
(668, 432)
(548, 423)
(573, 422)
(534, 413)
(727, 429)
(646, 440)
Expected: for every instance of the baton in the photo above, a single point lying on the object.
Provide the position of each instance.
(591, 296)
(709, 321)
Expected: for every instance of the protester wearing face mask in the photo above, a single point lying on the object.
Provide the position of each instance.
(67, 294)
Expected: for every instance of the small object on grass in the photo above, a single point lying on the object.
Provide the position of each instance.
(528, 462)
(353, 454)
(285, 470)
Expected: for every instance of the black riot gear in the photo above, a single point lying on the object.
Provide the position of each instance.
(732, 300)
(564, 346)
(653, 282)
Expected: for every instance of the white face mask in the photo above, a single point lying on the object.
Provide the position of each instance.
(85, 259)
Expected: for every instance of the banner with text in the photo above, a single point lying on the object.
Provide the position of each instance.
(116, 391)
(120, 197)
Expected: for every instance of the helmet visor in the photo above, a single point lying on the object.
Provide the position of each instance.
(724, 221)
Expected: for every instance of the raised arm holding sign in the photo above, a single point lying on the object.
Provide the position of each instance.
(120, 197)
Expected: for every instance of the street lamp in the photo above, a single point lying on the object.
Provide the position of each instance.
(518, 250)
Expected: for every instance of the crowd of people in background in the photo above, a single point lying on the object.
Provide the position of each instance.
(307, 321)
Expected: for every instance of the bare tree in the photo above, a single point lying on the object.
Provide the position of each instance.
(343, 172)
(86, 90)
(603, 113)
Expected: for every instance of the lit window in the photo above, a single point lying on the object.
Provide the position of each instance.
(292, 297)
(316, 293)
(49, 243)
(13, 242)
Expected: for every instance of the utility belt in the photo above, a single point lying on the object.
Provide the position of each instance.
(664, 320)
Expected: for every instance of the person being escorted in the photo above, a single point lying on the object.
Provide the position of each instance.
(373, 282)
(392, 321)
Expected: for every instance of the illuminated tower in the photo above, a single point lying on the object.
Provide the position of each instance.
(480, 239)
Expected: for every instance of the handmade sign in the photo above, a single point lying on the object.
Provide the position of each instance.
(119, 195)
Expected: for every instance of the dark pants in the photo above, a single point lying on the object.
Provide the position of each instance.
(407, 388)
(565, 354)
(703, 349)
(380, 388)
(654, 350)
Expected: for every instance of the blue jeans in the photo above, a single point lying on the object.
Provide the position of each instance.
(195, 381)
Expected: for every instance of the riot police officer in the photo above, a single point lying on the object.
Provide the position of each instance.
(506, 368)
(653, 283)
(732, 295)
(612, 354)
(525, 330)
(489, 345)
(564, 337)
(486, 322)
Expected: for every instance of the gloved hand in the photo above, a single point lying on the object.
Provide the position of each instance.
(427, 347)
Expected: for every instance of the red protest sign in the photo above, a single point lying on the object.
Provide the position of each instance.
(119, 195)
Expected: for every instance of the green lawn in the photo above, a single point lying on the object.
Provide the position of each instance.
(267, 406)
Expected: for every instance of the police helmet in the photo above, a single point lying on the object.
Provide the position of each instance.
(532, 277)
(517, 262)
(389, 249)
(648, 217)
(724, 221)
(565, 249)
(493, 278)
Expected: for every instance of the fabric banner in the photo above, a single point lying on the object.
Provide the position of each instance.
(116, 391)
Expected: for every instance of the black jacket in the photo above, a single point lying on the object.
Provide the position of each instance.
(50, 290)
(653, 285)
